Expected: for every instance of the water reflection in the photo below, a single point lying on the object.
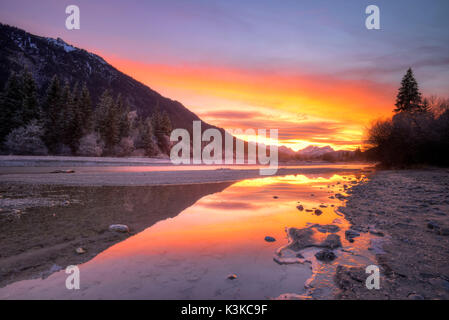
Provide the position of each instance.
(190, 256)
(39, 239)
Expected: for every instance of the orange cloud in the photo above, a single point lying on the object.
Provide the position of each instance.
(307, 109)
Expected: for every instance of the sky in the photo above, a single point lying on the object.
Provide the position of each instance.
(309, 68)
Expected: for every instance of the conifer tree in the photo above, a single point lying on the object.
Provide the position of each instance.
(10, 103)
(67, 115)
(107, 120)
(124, 122)
(85, 108)
(408, 98)
(101, 113)
(147, 138)
(30, 105)
(73, 119)
(156, 120)
(51, 110)
(165, 126)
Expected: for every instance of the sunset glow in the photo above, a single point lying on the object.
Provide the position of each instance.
(306, 109)
(308, 68)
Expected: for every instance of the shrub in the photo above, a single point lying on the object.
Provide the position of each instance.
(91, 145)
(26, 140)
(125, 147)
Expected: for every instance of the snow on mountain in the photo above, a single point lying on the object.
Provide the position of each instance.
(315, 151)
(61, 43)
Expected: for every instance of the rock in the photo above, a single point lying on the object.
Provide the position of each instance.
(323, 206)
(275, 197)
(351, 234)
(339, 196)
(309, 210)
(119, 228)
(439, 283)
(301, 238)
(360, 228)
(305, 238)
(433, 225)
(332, 241)
(232, 276)
(269, 239)
(63, 171)
(376, 232)
(327, 228)
(80, 250)
(325, 255)
(300, 256)
(318, 212)
(346, 278)
(415, 296)
(300, 208)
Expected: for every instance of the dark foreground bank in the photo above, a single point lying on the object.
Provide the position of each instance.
(410, 210)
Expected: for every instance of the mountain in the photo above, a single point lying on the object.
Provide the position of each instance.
(314, 151)
(286, 151)
(46, 57)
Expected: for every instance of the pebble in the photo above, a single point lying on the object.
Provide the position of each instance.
(269, 239)
(351, 234)
(432, 225)
(325, 255)
(80, 250)
(415, 296)
(119, 228)
(63, 171)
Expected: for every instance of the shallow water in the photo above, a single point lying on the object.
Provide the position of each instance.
(80, 167)
(190, 255)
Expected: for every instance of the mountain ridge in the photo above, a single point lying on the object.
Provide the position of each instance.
(45, 57)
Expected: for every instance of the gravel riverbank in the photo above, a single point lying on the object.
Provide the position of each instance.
(409, 211)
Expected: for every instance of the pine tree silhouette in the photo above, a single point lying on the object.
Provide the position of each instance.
(409, 97)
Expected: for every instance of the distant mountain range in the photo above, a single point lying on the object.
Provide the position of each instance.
(310, 151)
(316, 153)
(46, 57)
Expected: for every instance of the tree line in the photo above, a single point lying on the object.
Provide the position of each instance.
(418, 132)
(64, 121)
